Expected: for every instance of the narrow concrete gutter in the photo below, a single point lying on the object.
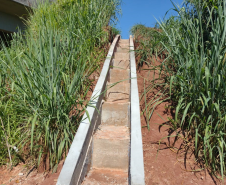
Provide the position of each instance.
(136, 152)
(75, 166)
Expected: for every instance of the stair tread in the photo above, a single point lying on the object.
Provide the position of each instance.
(124, 40)
(119, 75)
(123, 45)
(121, 64)
(119, 92)
(123, 51)
(115, 114)
(111, 147)
(121, 56)
(106, 177)
(112, 132)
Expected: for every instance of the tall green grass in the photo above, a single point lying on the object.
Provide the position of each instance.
(45, 76)
(199, 82)
(195, 74)
(148, 42)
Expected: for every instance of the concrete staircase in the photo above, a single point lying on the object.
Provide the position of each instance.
(107, 147)
(111, 141)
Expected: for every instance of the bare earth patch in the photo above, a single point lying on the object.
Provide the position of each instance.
(20, 175)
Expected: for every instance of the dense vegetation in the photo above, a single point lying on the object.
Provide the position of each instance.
(194, 69)
(44, 77)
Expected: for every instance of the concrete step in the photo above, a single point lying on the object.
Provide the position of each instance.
(122, 50)
(124, 41)
(123, 45)
(117, 75)
(116, 114)
(122, 53)
(106, 177)
(118, 93)
(121, 64)
(121, 56)
(111, 147)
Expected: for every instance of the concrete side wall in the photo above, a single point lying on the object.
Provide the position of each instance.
(136, 152)
(10, 23)
(12, 10)
(25, 2)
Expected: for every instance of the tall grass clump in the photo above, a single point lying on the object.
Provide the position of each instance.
(197, 48)
(46, 73)
(195, 71)
(149, 51)
(148, 42)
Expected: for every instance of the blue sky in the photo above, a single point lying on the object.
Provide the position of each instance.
(144, 12)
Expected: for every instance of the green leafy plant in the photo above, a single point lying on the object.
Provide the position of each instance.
(194, 72)
(46, 73)
(198, 82)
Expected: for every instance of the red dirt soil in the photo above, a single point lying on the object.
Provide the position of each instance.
(163, 166)
(20, 175)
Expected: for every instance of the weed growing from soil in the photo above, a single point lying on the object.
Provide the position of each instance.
(44, 77)
(194, 73)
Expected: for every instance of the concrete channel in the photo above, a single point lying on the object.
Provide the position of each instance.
(107, 148)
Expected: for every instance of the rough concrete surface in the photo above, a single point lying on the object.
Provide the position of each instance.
(113, 154)
(121, 64)
(119, 92)
(106, 177)
(121, 56)
(115, 114)
(119, 75)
